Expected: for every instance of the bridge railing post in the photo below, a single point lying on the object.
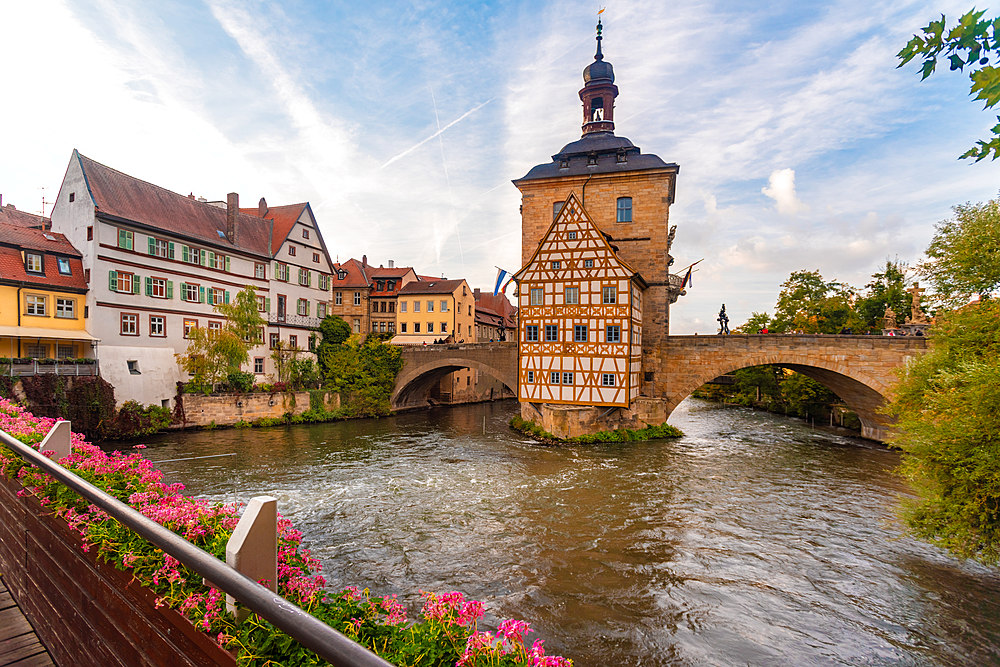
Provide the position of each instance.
(253, 548)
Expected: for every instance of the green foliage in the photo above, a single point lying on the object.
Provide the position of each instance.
(947, 408)
(755, 323)
(964, 255)
(809, 304)
(970, 43)
(135, 420)
(805, 397)
(886, 289)
(240, 381)
(776, 390)
(364, 373)
(333, 333)
(212, 356)
(618, 435)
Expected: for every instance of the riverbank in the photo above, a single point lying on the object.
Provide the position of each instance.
(533, 430)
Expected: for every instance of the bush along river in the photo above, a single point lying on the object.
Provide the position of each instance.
(751, 540)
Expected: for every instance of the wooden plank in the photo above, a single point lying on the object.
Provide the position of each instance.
(39, 660)
(20, 648)
(13, 623)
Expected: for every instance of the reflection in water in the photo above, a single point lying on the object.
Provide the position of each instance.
(751, 540)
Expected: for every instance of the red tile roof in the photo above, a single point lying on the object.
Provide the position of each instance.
(9, 215)
(356, 275)
(14, 239)
(436, 286)
(284, 218)
(36, 239)
(123, 196)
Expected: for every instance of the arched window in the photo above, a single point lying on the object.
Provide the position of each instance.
(624, 209)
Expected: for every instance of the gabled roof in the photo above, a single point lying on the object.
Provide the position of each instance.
(284, 218)
(9, 215)
(120, 196)
(356, 275)
(438, 286)
(36, 239)
(395, 274)
(14, 239)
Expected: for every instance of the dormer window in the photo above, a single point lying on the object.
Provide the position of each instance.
(391, 285)
(564, 163)
(341, 275)
(592, 159)
(33, 262)
(622, 157)
(63, 264)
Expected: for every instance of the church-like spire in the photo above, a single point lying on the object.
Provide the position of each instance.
(599, 92)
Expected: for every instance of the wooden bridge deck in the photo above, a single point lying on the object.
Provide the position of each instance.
(18, 643)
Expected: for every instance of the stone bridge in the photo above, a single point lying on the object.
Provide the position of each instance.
(859, 369)
(425, 365)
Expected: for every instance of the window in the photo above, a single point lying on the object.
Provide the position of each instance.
(430, 327)
(357, 298)
(556, 207)
(357, 325)
(63, 264)
(158, 288)
(553, 377)
(624, 209)
(214, 327)
(157, 325)
(90, 232)
(607, 379)
(217, 261)
(190, 255)
(260, 271)
(129, 324)
(37, 351)
(217, 295)
(316, 257)
(305, 277)
(133, 367)
(261, 304)
(321, 309)
(444, 327)
(125, 239)
(72, 197)
(531, 333)
(123, 281)
(571, 295)
(191, 292)
(580, 333)
(66, 308)
(402, 327)
(64, 351)
(556, 265)
(291, 250)
(537, 296)
(36, 305)
(302, 307)
(530, 376)
(588, 263)
(416, 306)
(416, 327)
(32, 262)
(444, 306)
(402, 306)
(571, 236)
(567, 378)
(609, 294)
(305, 233)
(258, 365)
(430, 306)
(324, 281)
(274, 340)
(338, 298)
(613, 334)
(382, 306)
(160, 248)
(551, 332)
(189, 326)
(281, 271)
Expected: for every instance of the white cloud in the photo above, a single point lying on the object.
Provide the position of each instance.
(781, 188)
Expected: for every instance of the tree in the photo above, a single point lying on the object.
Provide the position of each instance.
(214, 356)
(964, 255)
(947, 411)
(886, 289)
(755, 323)
(333, 331)
(810, 304)
(969, 43)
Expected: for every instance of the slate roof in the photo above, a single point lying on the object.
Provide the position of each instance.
(606, 146)
(14, 239)
(125, 197)
(9, 215)
(439, 286)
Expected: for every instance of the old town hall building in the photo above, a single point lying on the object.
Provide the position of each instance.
(595, 289)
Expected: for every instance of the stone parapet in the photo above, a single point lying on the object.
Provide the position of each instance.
(228, 409)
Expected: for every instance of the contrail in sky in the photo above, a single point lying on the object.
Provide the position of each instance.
(424, 141)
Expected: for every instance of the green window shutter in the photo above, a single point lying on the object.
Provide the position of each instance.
(152, 245)
(149, 285)
(227, 296)
(211, 259)
(227, 262)
(121, 238)
(128, 240)
(113, 281)
(209, 297)
(267, 304)
(183, 290)
(170, 250)
(135, 284)
(307, 309)
(204, 258)
(170, 289)
(185, 253)
(201, 295)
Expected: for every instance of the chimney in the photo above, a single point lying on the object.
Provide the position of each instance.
(261, 208)
(364, 260)
(476, 293)
(392, 264)
(232, 212)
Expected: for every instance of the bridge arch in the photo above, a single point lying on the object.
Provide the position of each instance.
(424, 367)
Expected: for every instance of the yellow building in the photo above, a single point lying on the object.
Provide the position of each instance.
(42, 296)
(430, 310)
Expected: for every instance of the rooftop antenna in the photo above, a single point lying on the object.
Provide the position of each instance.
(43, 201)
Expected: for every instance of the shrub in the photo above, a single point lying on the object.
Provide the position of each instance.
(240, 381)
(135, 420)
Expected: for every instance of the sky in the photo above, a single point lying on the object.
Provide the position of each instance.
(801, 145)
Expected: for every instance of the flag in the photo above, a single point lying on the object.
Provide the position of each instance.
(500, 275)
(687, 278)
(602, 10)
(504, 288)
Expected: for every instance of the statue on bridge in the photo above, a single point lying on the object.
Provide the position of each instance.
(723, 320)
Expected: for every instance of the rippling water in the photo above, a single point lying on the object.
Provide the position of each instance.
(751, 540)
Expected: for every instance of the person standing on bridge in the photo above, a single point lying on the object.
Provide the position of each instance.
(723, 322)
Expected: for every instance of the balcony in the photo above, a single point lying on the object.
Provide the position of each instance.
(294, 320)
(25, 366)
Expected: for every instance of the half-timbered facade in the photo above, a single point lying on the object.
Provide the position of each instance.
(580, 311)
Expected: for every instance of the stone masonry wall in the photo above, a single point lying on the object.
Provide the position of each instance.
(228, 409)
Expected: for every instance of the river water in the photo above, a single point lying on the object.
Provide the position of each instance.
(752, 540)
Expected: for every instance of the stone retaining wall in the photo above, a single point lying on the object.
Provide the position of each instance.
(228, 409)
